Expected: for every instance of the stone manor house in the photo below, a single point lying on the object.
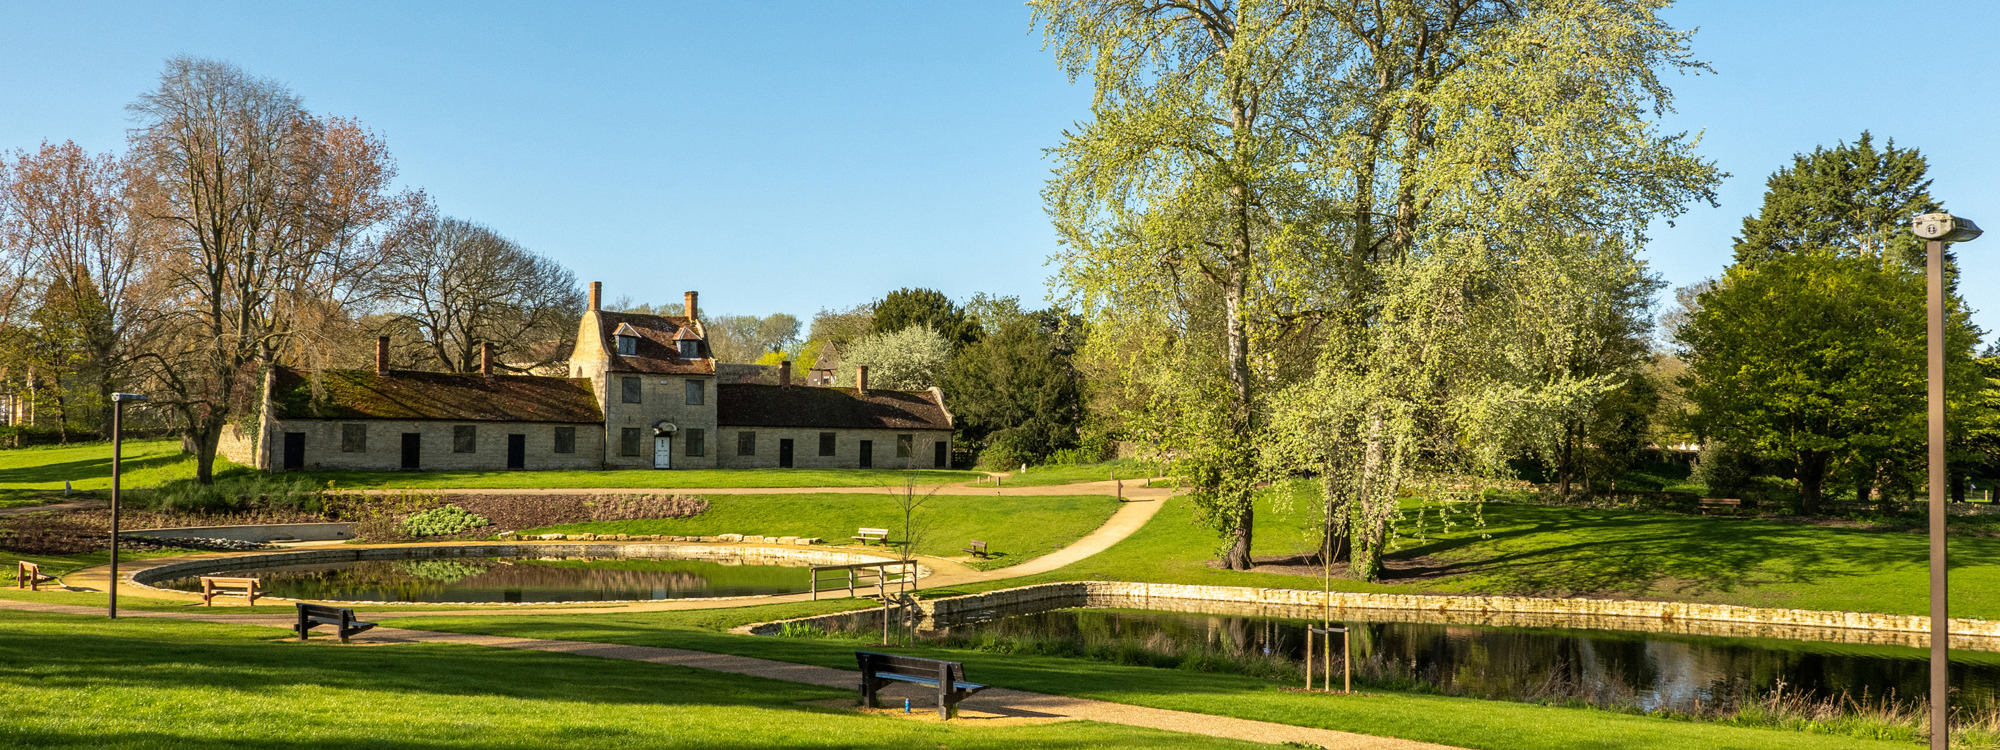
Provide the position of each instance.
(641, 392)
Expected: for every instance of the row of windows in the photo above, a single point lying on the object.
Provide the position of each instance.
(630, 441)
(464, 439)
(632, 391)
(746, 444)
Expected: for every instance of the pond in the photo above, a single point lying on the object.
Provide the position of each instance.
(1653, 671)
(516, 579)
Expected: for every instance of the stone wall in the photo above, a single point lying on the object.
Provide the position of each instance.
(662, 398)
(1669, 617)
(847, 448)
(385, 445)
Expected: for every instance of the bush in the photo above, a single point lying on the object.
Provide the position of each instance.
(441, 521)
(234, 494)
(1005, 451)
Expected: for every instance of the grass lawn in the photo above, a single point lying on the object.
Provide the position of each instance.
(143, 683)
(1463, 722)
(87, 466)
(1015, 528)
(640, 478)
(1544, 551)
(1124, 468)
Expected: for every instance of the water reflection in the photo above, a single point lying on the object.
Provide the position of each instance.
(516, 579)
(1654, 671)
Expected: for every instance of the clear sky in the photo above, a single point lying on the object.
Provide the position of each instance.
(783, 157)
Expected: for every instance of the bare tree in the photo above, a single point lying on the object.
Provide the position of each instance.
(456, 284)
(748, 338)
(267, 216)
(68, 219)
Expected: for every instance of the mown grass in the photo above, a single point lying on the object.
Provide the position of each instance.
(87, 466)
(639, 478)
(1124, 468)
(193, 686)
(1461, 722)
(1015, 528)
(1560, 552)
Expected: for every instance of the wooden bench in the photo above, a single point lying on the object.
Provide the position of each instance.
(214, 586)
(868, 535)
(342, 619)
(947, 676)
(1711, 503)
(29, 576)
(978, 549)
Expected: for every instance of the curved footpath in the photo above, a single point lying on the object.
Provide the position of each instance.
(1142, 504)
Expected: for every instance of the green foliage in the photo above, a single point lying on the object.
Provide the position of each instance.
(1006, 451)
(441, 521)
(1018, 382)
(912, 358)
(1815, 356)
(908, 308)
(234, 494)
(1851, 197)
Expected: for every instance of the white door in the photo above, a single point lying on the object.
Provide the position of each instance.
(663, 452)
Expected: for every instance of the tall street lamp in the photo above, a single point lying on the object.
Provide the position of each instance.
(1937, 229)
(118, 401)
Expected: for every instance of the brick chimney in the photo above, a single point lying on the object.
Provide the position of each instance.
(596, 295)
(381, 355)
(861, 380)
(785, 373)
(690, 305)
(486, 358)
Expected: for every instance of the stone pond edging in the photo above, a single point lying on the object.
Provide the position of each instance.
(1614, 614)
(144, 578)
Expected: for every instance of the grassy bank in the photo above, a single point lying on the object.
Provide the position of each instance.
(1461, 722)
(87, 466)
(1125, 469)
(160, 684)
(1015, 528)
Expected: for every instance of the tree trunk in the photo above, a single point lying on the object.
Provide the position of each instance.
(1812, 478)
(1958, 487)
(1335, 538)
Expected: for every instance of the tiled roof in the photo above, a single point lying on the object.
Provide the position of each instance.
(745, 405)
(410, 394)
(657, 351)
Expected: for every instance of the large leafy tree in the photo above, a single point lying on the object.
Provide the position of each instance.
(1810, 349)
(1018, 385)
(1817, 355)
(906, 308)
(1318, 214)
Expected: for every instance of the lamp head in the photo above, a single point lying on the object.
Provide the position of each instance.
(128, 396)
(1944, 227)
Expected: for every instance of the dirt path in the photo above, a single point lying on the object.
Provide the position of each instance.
(66, 505)
(1133, 490)
(998, 702)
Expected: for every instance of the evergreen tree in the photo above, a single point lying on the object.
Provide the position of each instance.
(1852, 197)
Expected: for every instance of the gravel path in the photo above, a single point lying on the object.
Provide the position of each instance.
(996, 701)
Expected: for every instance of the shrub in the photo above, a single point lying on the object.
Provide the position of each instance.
(441, 521)
(1005, 451)
(234, 494)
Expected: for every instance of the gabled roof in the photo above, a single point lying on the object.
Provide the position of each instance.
(657, 352)
(410, 394)
(746, 405)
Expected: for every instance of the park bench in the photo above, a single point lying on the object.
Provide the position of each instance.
(946, 676)
(1714, 503)
(214, 586)
(868, 535)
(342, 619)
(29, 576)
(978, 549)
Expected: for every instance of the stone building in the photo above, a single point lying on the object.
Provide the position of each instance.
(641, 392)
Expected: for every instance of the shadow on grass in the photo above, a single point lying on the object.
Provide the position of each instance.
(89, 468)
(1581, 551)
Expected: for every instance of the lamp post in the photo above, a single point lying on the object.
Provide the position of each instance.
(117, 464)
(1937, 229)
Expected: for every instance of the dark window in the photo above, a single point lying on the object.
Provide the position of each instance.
(826, 444)
(354, 438)
(464, 439)
(628, 345)
(690, 349)
(628, 441)
(565, 440)
(905, 445)
(629, 389)
(697, 442)
(746, 443)
(695, 391)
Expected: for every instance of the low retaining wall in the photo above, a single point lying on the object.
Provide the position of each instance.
(1499, 611)
(304, 532)
(726, 555)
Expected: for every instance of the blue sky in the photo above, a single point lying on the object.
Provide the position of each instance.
(792, 156)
